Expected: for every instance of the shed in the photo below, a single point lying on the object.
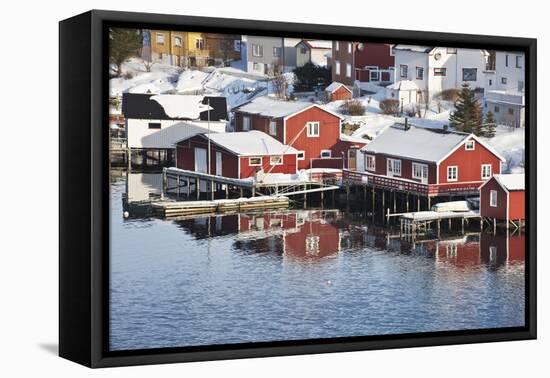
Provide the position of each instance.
(338, 91)
(503, 197)
(236, 155)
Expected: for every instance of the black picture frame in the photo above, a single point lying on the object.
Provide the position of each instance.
(84, 193)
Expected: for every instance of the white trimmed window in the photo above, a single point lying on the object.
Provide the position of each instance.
(452, 173)
(313, 129)
(257, 50)
(199, 44)
(177, 41)
(348, 69)
(493, 198)
(470, 145)
(370, 162)
(160, 38)
(273, 128)
(394, 167)
(486, 171)
(255, 161)
(246, 123)
(419, 171)
(301, 155)
(337, 46)
(325, 154)
(349, 47)
(403, 71)
(277, 52)
(337, 67)
(276, 160)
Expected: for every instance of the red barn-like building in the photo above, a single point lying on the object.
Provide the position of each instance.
(428, 162)
(503, 198)
(236, 155)
(311, 129)
(338, 91)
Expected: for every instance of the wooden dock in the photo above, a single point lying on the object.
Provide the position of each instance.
(419, 222)
(184, 208)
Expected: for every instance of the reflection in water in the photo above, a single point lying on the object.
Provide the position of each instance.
(299, 274)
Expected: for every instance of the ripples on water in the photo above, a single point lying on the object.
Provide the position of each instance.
(299, 275)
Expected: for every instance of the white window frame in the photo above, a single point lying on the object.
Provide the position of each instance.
(348, 69)
(403, 71)
(255, 164)
(277, 52)
(257, 50)
(421, 71)
(486, 175)
(246, 123)
(310, 126)
(279, 160)
(374, 75)
(337, 67)
(470, 145)
(160, 38)
(394, 163)
(273, 128)
(349, 48)
(178, 41)
(337, 46)
(324, 152)
(449, 170)
(420, 166)
(493, 198)
(372, 158)
(199, 43)
(303, 157)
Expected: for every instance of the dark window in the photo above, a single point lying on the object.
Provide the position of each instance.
(497, 109)
(518, 61)
(403, 70)
(511, 111)
(154, 125)
(506, 61)
(504, 80)
(440, 72)
(469, 74)
(419, 73)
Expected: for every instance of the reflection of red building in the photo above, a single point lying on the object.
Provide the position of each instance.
(500, 248)
(304, 234)
(459, 252)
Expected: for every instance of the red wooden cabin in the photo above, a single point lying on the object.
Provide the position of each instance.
(427, 162)
(503, 198)
(236, 155)
(338, 91)
(310, 128)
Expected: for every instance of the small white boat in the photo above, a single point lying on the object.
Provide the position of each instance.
(454, 206)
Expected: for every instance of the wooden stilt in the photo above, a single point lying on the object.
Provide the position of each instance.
(494, 225)
(417, 203)
(212, 190)
(462, 225)
(178, 185)
(429, 202)
(226, 191)
(407, 197)
(188, 188)
(394, 208)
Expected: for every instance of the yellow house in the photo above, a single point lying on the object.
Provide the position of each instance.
(193, 49)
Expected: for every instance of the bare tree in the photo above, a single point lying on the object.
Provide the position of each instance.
(279, 82)
(147, 64)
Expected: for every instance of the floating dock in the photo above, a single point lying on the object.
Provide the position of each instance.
(420, 221)
(184, 208)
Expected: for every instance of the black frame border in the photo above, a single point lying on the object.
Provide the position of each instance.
(84, 237)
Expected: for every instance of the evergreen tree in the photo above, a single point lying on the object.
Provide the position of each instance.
(468, 116)
(490, 125)
(123, 44)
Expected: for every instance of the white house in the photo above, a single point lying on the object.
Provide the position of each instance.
(157, 122)
(505, 88)
(435, 69)
(312, 51)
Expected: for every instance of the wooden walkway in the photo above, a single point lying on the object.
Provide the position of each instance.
(420, 222)
(185, 208)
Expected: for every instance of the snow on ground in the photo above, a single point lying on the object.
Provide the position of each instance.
(136, 79)
(191, 81)
(510, 143)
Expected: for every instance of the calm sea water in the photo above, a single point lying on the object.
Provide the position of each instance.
(297, 274)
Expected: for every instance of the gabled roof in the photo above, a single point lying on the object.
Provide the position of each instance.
(510, 182)
(275, 108)
(250, 143)
(419, 143)
(334, 86)
(316, 44)
(178, 107)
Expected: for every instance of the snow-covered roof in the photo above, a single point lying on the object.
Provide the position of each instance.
(513, 181)
(416, 143)
(334, 86)
(403, 85)
(181, 106)
(413, 48)
(317, 44)
(251, 143)
(275, 108)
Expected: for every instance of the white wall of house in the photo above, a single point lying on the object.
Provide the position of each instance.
(411, 60)
(140, 135)
(512, 71)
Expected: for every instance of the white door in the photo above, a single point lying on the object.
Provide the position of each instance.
(200, 160)
(218, 163)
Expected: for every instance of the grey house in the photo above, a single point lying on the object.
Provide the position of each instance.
(267, 55)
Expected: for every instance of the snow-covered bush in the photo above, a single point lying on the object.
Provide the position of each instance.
(389, 106)
(352, 107)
